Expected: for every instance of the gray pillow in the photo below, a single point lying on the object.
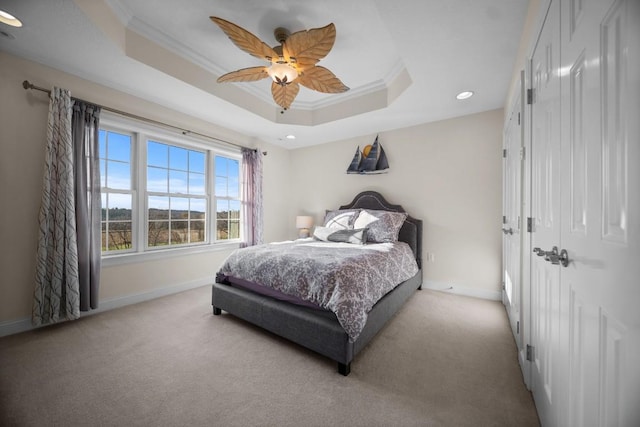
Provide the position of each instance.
(326, 234)
(383, 226)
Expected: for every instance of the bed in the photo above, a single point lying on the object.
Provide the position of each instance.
(317, 328)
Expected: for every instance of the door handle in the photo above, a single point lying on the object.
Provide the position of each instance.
(564, 257)
(539, 252)
(558, 258)
(507, 230)
(553, 256)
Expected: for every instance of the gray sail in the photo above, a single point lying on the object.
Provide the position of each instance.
(383, 163)
(370, 162)
(355, 162)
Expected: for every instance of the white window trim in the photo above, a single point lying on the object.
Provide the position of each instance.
(134, 185)
(142, 132)
(137, 257)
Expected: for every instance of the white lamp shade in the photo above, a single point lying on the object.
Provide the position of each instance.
(304, 221)
(282, 73)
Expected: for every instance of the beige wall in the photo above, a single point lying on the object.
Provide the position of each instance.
(446, 173)
(23, 118)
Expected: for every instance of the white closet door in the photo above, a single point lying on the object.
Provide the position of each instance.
(511, 227)
(600, 187)
(545, 192)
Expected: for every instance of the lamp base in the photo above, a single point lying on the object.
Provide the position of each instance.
(303, 233)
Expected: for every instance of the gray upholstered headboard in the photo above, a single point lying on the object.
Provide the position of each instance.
(411, 231)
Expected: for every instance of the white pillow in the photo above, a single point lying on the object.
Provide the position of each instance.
(341, 218)
(327, 234)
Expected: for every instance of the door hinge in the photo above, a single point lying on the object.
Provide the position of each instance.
(530, 353)
(529, 96)
(518, 118)
(522, 150)
(518, 327)
(504, 153)
(504, 219)
(529, 224)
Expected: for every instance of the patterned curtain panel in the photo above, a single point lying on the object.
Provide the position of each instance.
(85, 127)
(252, 210)
(56, 294)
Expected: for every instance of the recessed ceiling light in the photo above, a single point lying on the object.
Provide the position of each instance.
(290, 137)
(464, 95)
(5, 35)
(9, 19)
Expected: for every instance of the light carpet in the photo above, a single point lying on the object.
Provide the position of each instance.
(444, 360)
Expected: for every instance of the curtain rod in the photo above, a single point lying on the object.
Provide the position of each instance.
(28, 85)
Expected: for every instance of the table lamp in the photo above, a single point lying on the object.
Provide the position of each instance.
(303, 224)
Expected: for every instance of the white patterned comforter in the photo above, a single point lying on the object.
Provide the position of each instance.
(345, 278)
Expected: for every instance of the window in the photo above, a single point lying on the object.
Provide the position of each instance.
(227, 198)
(158, 190)
(176, 195)
(117, 190)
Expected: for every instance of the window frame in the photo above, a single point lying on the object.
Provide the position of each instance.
(133, 191)
(141, 133)
(228, 199)
(207, 193)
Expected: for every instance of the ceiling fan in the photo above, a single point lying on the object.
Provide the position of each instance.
(292, 64)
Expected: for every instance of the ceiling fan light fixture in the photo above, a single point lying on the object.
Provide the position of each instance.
(282, 73)
(292, 64)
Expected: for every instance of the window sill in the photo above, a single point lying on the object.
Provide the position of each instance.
(138, 257)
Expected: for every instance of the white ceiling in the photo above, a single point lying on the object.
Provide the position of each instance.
(404, 60)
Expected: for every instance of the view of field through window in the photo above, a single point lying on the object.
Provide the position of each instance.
(176, 195)
(176, 198)
(227, 191)
(116, 190)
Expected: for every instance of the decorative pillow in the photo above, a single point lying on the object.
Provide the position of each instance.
(383, 226)
(337, 235)
(341, 218)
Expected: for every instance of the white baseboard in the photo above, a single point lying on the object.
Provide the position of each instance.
(461, 290)
(22, 325)
(11, 327)
(112, 303)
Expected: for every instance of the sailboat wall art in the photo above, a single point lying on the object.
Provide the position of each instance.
(372, 160)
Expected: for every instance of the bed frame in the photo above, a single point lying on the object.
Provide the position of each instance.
(319, 330)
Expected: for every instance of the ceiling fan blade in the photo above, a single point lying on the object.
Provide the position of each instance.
(250, 74)
(310, 46)
(245, 40)
(322, 80)
(284, 95)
